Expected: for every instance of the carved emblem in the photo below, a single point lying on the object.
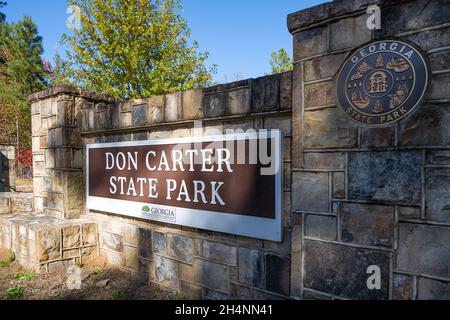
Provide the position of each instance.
(382, 82)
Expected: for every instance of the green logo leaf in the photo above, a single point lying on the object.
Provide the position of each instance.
(146, 209)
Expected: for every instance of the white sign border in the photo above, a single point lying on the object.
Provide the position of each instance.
(249, 226)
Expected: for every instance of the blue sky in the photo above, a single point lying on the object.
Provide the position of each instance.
(238, 34)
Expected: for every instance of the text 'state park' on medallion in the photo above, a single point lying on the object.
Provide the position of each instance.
(382, 82)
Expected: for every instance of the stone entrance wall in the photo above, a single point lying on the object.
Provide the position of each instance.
(7, 170)
(369, 196)
(360, 197)
(197, 263)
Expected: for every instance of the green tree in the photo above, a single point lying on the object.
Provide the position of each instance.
(21, 73)
(280, 61)
(2, 15)
(132, 49)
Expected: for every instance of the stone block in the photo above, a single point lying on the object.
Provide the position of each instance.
(214, 105)
(430, 39)
(239, 101)
(180, 247)
(190, 291)
(5, 205)
(54, 201)
(220, 252)
(310, 42)
(212, 275)
(155, 109)
(112, 241)
(286, 90)
(139, 114)
(342, 270)
(281, 123)
(36, 125)
(166, 272)
(159, 242)
(408, 212)
(143, 271)
(21, 203)
(283, 247)
(192, 104)
(264, 296)
(125, 119)
(387, 176)
(338, 185)
(323, 67)
(48, 243)
(322, 160)
(427, 126)
(238, 127)
(437, 194)
(377, 137)
(441, 157)
(208, 294)
(251, 267)
(439, 88)
(319, 95)
(371, 225)
(440, 61)
(173, 108)
(145, 243)
(429, 289)
(89, 231)
(328, 128)
(412, 15)
(349, 33)
(71, 237)
(403, 287)
(186, 272)
(130, 257)
(74, 189)
(424, 249)
(238, 292)
(321, 227)
(266, 93)
(278, 274)
(310, 191)
(131, 235)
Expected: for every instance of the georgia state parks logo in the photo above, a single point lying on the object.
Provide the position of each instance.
(382, 82)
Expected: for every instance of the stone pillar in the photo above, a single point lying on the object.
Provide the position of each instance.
(57, 154)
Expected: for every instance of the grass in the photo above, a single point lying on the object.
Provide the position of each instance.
(117, 295)
(25, 275)
(172, 295)
(14, 292)
(98, 271)
(11, 257)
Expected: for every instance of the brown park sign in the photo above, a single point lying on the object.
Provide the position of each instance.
(228, 183)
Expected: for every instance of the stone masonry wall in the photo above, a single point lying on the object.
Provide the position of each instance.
(369, 196)
(7, 170)
(196, 263)
(353, 197)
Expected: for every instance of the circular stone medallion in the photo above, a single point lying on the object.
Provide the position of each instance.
(382, 82)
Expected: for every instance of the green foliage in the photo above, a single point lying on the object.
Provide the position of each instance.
(446, 208)
(14, 292)
(25, 275)
(98, 271)
(132, 49)
(117, 295)
(22, 72)
(2, 15)
(172, 295)
(11, 257)
(280, 61)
